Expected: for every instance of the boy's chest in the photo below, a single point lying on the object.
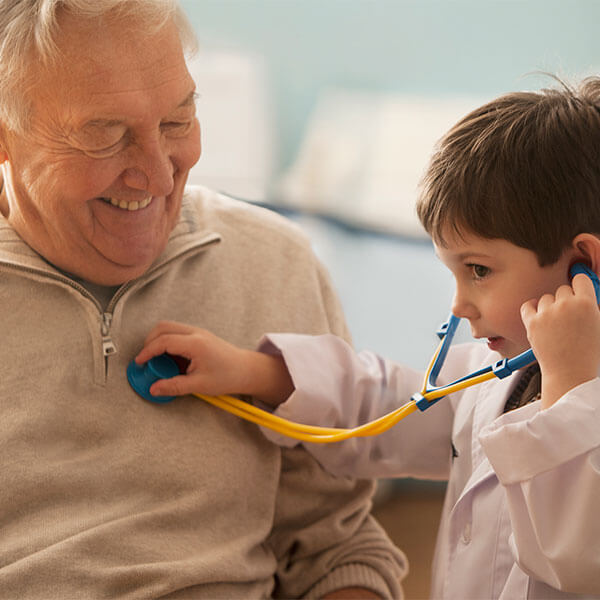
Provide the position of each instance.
(477, 526)
(478, 407)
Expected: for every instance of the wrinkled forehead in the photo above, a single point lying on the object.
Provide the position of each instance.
(114, 68)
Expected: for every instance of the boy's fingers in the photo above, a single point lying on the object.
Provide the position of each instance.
(175, 386)
(166, 327)
(547, 300)
(583, 285)
(564, 292)
(528, 310)
(166, 342)
(150, 350)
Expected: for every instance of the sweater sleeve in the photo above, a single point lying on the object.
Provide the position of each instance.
(549, 464)
(323, 536)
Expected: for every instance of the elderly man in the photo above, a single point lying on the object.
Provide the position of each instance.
(103, 494)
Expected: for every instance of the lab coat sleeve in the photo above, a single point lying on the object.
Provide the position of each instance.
(549, 464)
(323, 537)
(336, 387)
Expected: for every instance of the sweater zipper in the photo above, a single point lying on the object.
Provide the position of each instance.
(106, 316)
(108, 346)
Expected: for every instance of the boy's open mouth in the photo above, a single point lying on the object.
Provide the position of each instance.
(494, 342)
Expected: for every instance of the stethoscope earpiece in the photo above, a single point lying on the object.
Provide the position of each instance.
(582, 268)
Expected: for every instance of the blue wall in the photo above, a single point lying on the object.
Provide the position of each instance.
(418, 46)
(395, 293)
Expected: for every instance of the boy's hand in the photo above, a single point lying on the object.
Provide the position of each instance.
(564, 332)
(216, 366)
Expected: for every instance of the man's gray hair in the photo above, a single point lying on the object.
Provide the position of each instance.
(28, 31)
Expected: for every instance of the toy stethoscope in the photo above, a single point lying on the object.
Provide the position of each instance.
(141, 377)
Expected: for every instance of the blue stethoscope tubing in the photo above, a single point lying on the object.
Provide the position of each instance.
(501, 369)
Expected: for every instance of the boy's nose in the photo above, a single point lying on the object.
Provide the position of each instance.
(463, 308)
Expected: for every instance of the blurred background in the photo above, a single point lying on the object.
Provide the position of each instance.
(327, 111)
(332, 107)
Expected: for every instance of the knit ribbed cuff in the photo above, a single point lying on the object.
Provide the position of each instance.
(356, 575)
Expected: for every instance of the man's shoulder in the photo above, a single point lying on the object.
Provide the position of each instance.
(231, 216)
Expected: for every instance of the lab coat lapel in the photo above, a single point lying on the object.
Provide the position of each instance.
(489, 404)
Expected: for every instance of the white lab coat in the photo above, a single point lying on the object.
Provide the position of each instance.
(521, 518)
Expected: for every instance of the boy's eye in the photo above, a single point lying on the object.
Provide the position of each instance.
(479, 271)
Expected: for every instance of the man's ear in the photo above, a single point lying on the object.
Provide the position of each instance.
(587, 247)
(3, 152)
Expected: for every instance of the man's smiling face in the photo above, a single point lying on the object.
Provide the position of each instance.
(95, 185)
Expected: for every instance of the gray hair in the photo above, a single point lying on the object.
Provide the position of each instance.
(28, 31)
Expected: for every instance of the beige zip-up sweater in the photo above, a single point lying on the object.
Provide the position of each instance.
(105, 495)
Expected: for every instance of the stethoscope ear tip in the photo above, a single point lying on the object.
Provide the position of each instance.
(584, 269)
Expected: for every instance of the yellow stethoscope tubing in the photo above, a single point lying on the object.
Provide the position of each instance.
(307, 433)
(439, 392)
(323, 435)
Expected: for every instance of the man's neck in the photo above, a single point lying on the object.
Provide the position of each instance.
(102, 293)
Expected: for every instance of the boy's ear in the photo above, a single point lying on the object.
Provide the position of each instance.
(587, 247)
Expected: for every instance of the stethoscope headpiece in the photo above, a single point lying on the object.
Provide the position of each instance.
(432, 393)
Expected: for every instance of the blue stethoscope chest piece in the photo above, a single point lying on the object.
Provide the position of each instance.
(141, 377)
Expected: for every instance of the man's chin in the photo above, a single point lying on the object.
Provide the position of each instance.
(119, 261)
(111, 273)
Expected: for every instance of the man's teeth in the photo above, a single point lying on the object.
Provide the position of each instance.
(129, 205)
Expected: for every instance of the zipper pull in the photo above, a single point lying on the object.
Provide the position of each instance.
(108, 346)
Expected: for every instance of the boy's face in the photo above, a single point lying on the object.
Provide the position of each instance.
(493, 279)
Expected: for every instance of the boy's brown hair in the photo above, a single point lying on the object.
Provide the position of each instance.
(524, 167)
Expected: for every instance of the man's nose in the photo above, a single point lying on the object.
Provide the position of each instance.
(152, 170)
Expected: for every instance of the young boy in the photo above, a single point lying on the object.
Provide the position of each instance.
(511, 200)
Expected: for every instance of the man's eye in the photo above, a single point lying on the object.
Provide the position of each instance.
(176, 128)
(106, 152)
(479, 271)
(100, 140)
